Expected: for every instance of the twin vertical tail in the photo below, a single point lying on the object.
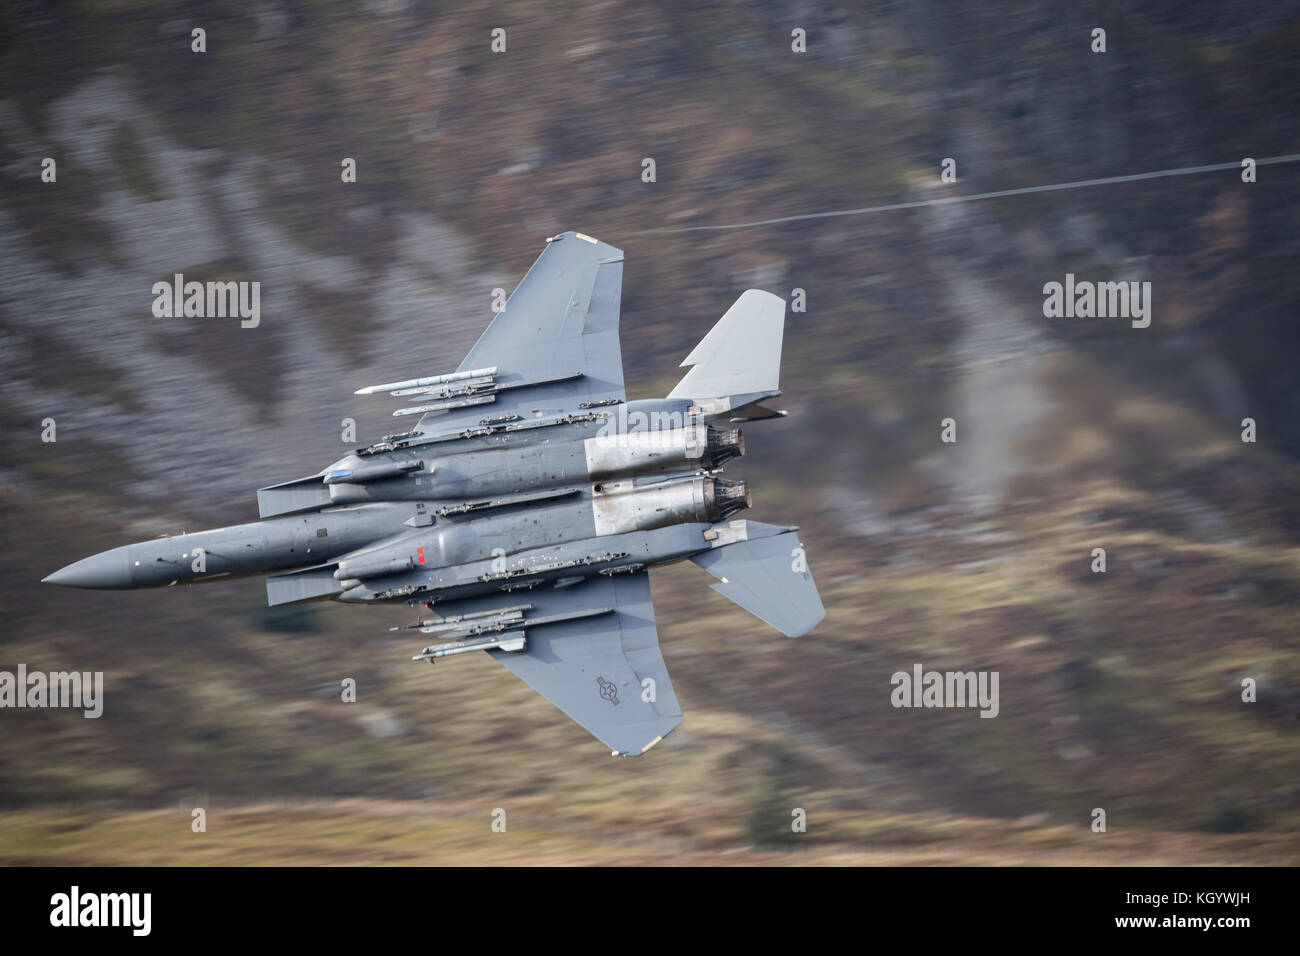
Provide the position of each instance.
(738, 363)
(735, 367)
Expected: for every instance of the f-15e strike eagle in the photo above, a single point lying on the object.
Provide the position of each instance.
(526, 507)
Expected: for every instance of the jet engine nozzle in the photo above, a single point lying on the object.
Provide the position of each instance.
(724, 444)
(724, 496)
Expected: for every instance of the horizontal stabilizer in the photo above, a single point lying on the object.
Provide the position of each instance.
(769, 578)
(741, 355)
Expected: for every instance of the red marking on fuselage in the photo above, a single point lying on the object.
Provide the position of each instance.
(419, 553)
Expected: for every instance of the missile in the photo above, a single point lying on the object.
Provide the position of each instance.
(448, 391)
(430, 380)
(512, 611)
(515, 641)
(473, 628)
(445, 406)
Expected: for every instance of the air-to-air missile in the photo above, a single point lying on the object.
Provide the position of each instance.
(561, 498)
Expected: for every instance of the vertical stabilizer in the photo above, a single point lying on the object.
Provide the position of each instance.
(741, 355)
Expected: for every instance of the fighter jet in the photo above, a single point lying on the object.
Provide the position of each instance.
(527, 505)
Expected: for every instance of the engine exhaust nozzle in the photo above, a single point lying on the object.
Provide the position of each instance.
(725, 496)
(724, 444)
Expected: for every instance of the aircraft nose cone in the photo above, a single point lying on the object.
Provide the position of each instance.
(106, 570)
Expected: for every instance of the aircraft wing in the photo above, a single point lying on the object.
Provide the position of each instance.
(604, 671)
(556, 343)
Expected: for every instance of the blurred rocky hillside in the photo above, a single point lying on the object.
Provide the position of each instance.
(1119, 690)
